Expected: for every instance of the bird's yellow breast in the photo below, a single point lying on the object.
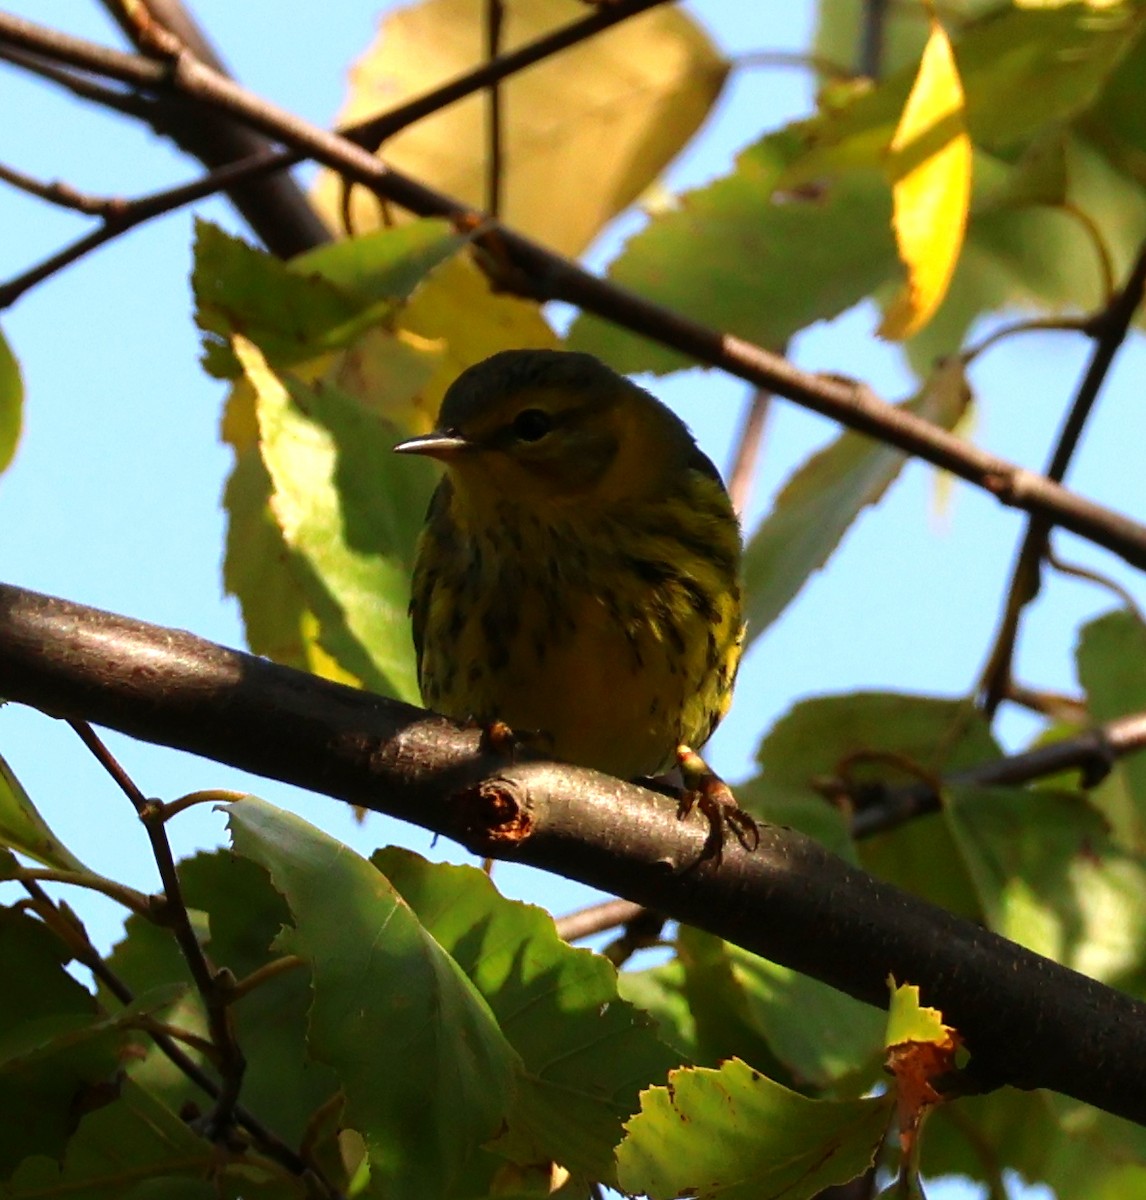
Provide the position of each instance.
(615, 635)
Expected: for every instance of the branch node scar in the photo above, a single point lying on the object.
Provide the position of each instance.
(493, 813)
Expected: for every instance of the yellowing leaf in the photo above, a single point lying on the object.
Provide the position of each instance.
(584, 132)
(11, 403)
(921, 1050)
(931, 165)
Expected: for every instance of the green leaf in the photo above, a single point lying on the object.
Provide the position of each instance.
(642, 87)
(351, 525)
(1072, 1148)
(319, 302)
(586, 1053)
(385, 377)
(1111, 654)
(727, 254)
(822, 498)
(11, 403)
(22, 828)
(133, 1139)
(812, 1035)
(722, 1026)
(426, 1072)
(244, 915)
(822, 1036)
(734, 1133)
(56, 1055)
(659, 991)
(909, 1021)
(882, 739)
(1050, 878)
(800, 230)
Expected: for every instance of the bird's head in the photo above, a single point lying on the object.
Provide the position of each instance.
(553, 427)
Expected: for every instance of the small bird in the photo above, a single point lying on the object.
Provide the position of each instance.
(577, 576)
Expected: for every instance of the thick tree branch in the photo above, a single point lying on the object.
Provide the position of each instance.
(1027, 1021)
(532, 269)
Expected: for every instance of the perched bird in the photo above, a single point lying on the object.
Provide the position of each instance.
(578, 572)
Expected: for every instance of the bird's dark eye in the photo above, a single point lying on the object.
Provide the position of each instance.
(532, 424)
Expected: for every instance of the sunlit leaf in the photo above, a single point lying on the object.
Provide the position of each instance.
(734, 1133)
(373, 330)
(643, 87)
(1051, 878)
(426, 1071)
(351, 524)
(586, 1053)
(818, 504)
(751, 257)
(11, 402)
(319, 302)
(22, 828)
(931, 189)
(773, 247)
(1111, 664)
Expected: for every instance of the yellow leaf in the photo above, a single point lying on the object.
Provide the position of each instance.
(931, 173)
(585, 132)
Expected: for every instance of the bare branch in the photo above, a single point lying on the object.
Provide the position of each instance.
(63, 195)
(1092, 753)
(121, 216)
(870, 57)
(1074, 571)
(596, 919)
(212, 985)
(747, 454)
(494, 19)
(1109, 331)
(269, 200)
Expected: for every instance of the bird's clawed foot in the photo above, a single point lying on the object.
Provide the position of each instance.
(704, 789)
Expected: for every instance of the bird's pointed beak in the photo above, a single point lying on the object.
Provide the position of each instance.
(442, 446)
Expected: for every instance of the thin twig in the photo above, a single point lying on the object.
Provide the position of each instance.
(132, 900)
(1111, 585)
(1110, 331)
(213, 990)
(252, 167)
(870, 57)
(372, 132)
(63, 195)
(764, 59)
(1091, 752)
(747, 454)
(209, 796)
(1031, 325)
(121, 216)
(1056, 705)
(80, 86)
(68, 927)
(596, 919)
(271, 970)
(494, 19)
